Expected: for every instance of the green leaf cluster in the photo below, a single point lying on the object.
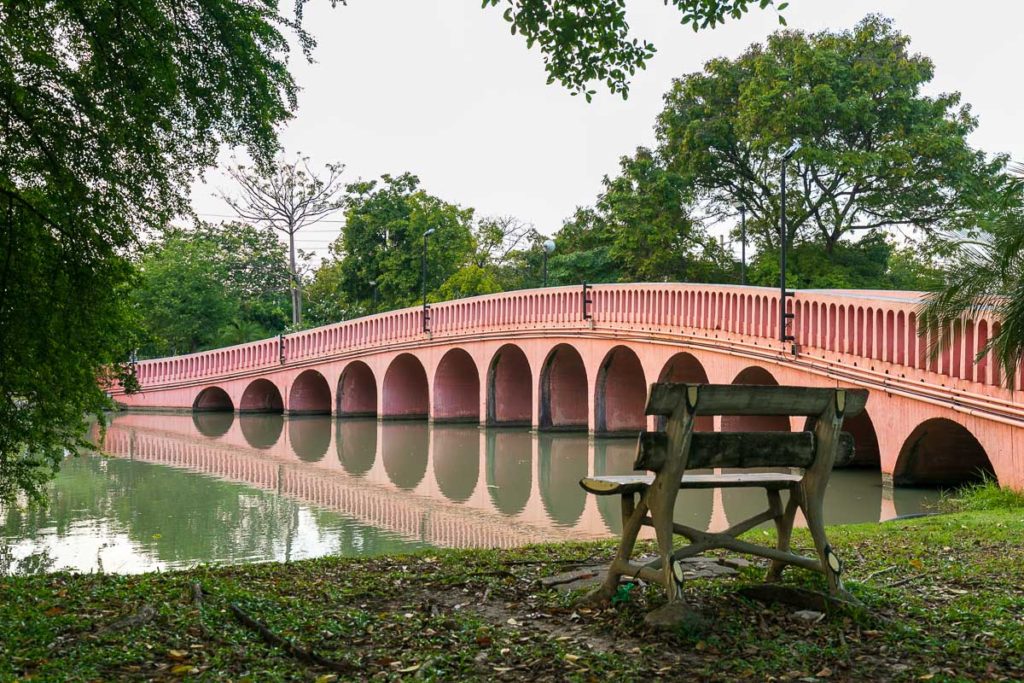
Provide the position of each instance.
(107, 113)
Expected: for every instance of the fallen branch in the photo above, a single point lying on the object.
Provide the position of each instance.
(915, 577)
(143, 616)
(288, 646)
(879, 572)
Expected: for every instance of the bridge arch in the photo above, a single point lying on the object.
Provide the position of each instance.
(456, 388)
(213, 399)
(310, 394)
(405, 393)
(941, 452)
(261, 396)
(684, 367)
(509, 388)
(357, 391)
(756, 375)
(563, 390)
(866, 452)
(621, 393)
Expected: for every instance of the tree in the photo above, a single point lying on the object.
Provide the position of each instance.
(107, 113)
(211, 286)
(639, 231)
(588, 40)
(286, 197)
(876, 152)
(986, 276)
(382, 242)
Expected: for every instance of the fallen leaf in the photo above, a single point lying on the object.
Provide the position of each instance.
(409, 669)
(824, 673)
(177, 654)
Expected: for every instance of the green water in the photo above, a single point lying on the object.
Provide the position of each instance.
(178, 490)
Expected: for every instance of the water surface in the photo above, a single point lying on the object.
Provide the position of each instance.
(177, 490)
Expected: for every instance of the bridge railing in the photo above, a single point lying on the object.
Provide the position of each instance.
(878, 327)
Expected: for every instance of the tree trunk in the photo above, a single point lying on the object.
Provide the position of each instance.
(296, 293)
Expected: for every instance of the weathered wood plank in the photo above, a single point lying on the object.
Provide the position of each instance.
(739, 449)
(744, 399)
(632, 483)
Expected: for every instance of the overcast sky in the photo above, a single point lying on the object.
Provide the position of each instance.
(441, 89)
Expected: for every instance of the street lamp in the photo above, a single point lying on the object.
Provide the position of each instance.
(743, 244)
(549, 247)
(373, 283)
(784, 317)
(423, 263)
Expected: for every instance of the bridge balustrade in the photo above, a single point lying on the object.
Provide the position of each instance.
(876, 329)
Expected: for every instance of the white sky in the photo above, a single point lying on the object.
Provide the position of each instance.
(441, 89)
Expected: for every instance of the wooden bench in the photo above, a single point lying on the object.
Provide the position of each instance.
(649, 500)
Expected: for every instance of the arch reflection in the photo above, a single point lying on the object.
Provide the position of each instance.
(213, 424)
(403, 448)
(356, 443)
(563, 462)
(509, 468)
(456, 460)
(310, 436)
(261, 430)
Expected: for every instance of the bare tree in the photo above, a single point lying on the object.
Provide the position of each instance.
(287, 197)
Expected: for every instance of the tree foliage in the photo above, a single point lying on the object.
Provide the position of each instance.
(107, 111)
(584, 41)
(382, 242)
(639, 230)
(211, 286)
(986, 277)
(876, 151)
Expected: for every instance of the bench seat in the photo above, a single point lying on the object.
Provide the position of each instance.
(633, 483)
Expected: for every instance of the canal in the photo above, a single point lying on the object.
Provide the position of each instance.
(174, 490)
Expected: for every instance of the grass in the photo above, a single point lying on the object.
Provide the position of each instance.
(943, 596)
(986, 495)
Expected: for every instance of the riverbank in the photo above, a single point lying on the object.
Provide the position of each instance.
(944, 597)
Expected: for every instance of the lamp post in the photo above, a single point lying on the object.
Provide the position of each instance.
(784, 317)
(373, 283)
(423, 263)
(549, 247)
(743, 244)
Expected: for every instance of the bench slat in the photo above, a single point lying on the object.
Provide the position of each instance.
(739, 449)
(632, 483)
(745, 399)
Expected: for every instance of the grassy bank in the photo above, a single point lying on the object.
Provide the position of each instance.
(944, 597)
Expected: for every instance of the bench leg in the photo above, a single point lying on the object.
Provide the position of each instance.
(633, 514)
(783, 528)
(814, 503)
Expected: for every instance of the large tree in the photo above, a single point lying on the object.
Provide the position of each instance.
(639, 230)
(877, 152)
(287, 196)
(211, 286)
(107, 113)
(382, 241)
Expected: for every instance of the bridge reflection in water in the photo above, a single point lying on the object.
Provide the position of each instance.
(450, 485)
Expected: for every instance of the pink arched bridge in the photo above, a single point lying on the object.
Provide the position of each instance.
(570, 358)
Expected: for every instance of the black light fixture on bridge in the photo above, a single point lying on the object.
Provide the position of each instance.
(743, 244)
(784, 316)
(423, 263)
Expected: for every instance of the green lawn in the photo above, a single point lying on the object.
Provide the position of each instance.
(944, 600)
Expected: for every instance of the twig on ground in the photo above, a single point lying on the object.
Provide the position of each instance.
(907, 580)
(144, 615)
(879, 572)
(288, 646)
(197, 594)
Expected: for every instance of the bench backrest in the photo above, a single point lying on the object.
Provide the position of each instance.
(679, 448)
